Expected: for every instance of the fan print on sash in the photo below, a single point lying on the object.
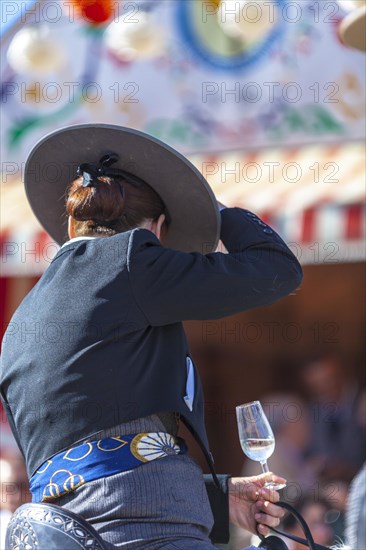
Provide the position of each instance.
(148, 447)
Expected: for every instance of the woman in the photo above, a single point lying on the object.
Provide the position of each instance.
(96, 370)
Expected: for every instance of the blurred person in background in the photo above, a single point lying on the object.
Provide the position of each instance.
(14, 489)
(314, 512)
(337, 410)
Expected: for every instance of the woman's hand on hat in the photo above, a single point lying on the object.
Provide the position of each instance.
(252, 505)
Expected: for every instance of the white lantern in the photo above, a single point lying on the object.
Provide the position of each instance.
(32, 50)
(131, 41)
(246, 20)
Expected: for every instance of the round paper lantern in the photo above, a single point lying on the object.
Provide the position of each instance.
(130, 41)
(33, 50)
(95, 12)
(246, 20)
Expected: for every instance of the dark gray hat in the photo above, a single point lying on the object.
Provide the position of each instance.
(52, 165)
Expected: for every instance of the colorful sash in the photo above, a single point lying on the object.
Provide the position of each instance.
(68, 470)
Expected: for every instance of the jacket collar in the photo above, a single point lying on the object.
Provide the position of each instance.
(75, 239)
(70, 245)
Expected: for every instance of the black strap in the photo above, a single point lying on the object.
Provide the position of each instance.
(91, 172)
(309, 541)
(206, 453)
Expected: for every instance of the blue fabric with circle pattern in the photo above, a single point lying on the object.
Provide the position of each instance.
(68, 470)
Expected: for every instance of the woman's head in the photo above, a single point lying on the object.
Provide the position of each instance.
(110, 205)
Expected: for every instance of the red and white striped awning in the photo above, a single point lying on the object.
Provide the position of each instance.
(313, 196)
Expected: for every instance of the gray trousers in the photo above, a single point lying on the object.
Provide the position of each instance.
(161, 505)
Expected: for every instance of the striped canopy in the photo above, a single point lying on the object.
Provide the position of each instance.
(314, 196)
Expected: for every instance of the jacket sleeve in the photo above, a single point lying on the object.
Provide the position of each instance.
(171, 286)
(219, 502)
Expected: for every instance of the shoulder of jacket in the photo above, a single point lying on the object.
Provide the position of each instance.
(141, 238)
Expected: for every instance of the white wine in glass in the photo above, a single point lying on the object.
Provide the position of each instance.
(256, 436)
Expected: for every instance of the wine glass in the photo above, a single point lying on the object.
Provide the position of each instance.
(256, 436)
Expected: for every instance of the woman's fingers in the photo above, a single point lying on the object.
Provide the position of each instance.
(269, 521)
(252, 488)
(268, 514)
(268, 494)
(269, 476)
(270, 509)
(263, 530)
(255, 493)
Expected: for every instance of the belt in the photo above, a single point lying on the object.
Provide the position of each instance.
(70, 469)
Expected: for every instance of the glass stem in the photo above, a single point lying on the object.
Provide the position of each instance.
(264, 465)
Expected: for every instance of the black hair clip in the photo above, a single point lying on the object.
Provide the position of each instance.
(91, 172)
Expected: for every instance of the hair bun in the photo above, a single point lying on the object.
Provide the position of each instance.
(112, 203)
(101, 199)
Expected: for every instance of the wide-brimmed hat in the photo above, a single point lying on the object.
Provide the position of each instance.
(52, 165)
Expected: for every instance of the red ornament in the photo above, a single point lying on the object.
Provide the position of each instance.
(95, 12)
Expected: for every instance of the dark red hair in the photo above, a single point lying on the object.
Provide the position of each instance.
(111, 205)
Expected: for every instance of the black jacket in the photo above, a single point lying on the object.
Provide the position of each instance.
(99, 339)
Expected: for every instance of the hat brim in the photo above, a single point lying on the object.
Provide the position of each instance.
(352, 29)
(51, 167)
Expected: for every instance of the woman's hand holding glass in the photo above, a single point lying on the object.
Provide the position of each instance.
(252, 505)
